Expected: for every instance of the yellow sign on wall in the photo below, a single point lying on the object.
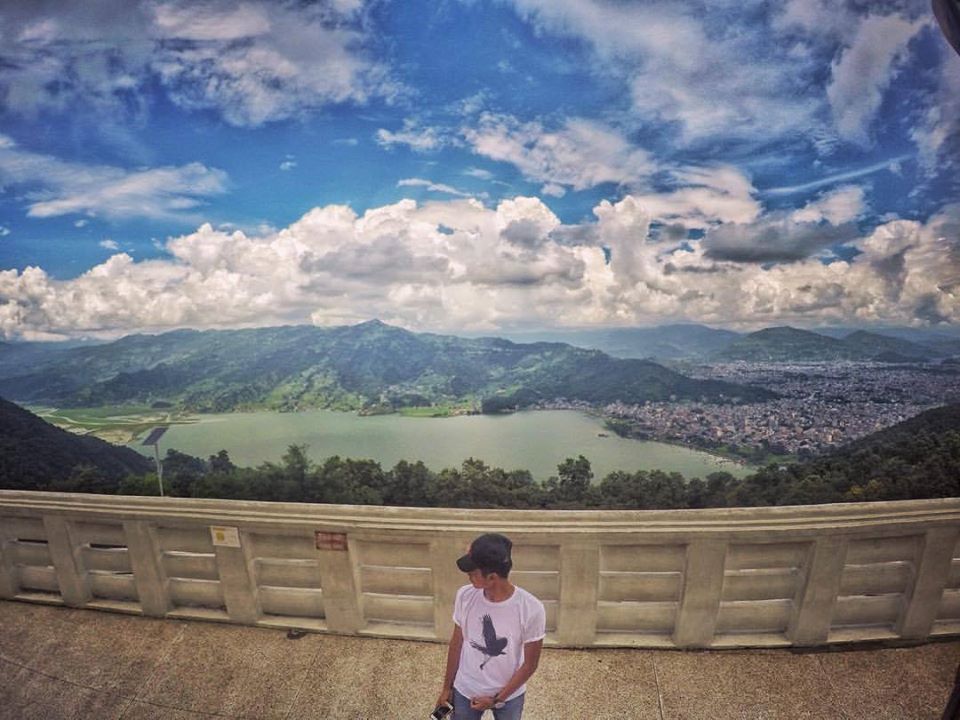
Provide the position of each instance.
(225, 536)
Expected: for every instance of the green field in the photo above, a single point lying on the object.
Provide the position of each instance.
(119, 424)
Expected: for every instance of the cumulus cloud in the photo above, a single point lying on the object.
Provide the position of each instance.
(705, 196)
(55, 187)
(251, 62)
(774, 239)
(788, 236)
(458, 265)
(837, 206)
(109, 244)
(580, 154)
(863, 71)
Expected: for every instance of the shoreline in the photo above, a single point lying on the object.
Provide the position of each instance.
(133, 425)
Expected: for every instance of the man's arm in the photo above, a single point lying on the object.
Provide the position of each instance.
(531, 659)
(453, 663)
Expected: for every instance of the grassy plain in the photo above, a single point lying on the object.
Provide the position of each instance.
(116, 424)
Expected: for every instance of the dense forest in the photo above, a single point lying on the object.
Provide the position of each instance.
(919, 458)
(34, 453)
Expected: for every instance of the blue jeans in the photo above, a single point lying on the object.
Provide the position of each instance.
(462, 710)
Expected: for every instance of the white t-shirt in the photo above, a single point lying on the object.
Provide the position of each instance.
(494, 634)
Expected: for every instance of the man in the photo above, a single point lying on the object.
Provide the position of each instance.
(497, 636)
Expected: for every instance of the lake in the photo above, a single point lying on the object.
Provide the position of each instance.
(536, 440)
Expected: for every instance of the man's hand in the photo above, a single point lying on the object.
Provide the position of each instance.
(481, 702)
(446, 696)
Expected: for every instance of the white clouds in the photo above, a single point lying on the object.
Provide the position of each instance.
(302, 63)
(251, 62)
(478, 173)
(939, 128)
(414, 136)
(433, 187)
(862, 72)
(581, 154)
(789, 236)
(725, 71)
(707, 195)
(681, 64)
(109, 244)
(837, 206)
(892, 165)
(288, 164)
(55, 187)
(457, 265)
(210, 22)
(4, 231)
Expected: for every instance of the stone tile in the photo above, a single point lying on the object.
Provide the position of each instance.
(894, 684)
(28, 695)
(231, 670)
(24, 627)
(146, 711)
(86, 665)
(101, 650)
(593, 684)
(742, 685)
(369, 678)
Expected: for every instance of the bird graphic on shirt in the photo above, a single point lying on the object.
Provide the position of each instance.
(492, 645)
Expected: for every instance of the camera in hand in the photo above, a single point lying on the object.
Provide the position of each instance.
(441, 711)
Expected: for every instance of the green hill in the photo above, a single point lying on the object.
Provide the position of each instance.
(917, 458)
(787, 344)
(350, 367)
(879, 346)
(35, 454)
(667, 342)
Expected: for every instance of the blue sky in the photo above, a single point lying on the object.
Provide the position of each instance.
(467, 165)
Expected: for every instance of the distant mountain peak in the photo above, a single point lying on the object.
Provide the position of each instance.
(786, 344)
(786, 331)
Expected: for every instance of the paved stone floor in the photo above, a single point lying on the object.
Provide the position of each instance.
(61, 663)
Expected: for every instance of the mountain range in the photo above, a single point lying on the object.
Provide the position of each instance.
(778, 344)
(787, 344)
(350, 367)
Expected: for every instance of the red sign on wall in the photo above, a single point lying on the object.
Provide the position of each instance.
(331, 540)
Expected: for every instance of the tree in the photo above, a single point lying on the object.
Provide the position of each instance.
(410, 485)
(221, 463)
(574, 480)
(180, 471)
(296, 464)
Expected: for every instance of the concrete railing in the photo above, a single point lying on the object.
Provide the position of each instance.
(691, 578)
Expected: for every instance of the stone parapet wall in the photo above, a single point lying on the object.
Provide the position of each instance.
(743, 577)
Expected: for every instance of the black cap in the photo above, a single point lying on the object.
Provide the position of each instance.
(488, 552)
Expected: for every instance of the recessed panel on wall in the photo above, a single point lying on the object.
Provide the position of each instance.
(760, 586)
(639, 589)
(876, 578)
(287, 575)
(396, 585)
